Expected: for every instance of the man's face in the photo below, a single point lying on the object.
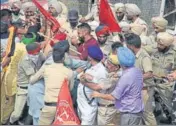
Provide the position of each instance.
(111, 67)
(157, 29)
(81, 35)
(53, 11)
(29, 13)
(102, 39)
(15, 10)
(119, 15)
(161, 47)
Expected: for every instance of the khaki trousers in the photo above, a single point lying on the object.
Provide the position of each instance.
(20, 101)
(108, 116)
(148, 115)
(47, 115)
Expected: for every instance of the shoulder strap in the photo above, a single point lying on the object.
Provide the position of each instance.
(89, 100)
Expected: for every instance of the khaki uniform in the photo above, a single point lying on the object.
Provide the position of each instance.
(19, 20)
(107, 113)
(143, 61)
(64, 8)
(54, 76)
(9, 85)
(142, 22)
(164, 63)
(152, 46)
(26, 68)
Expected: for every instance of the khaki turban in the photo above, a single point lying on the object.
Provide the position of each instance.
(56, 5)
(16, 3)
(137, 28)
(165, 38)
(120, 7)
(132, 9)
(159, 22)
(29, 6)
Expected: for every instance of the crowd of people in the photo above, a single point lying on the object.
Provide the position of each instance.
(115, 78)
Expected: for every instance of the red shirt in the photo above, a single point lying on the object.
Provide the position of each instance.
(83, 48)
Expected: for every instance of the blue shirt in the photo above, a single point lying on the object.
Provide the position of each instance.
(128, 91)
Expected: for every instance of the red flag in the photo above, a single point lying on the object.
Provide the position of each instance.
(106, 16)
(48, 16)
(65, 113)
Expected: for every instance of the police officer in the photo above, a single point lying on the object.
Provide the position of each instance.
(164, 61)
(120, 12)
(133, 16)
(28, 65)
(159, 25)
(53, 84)
(18, 18)
(56, 9)
(139, 30)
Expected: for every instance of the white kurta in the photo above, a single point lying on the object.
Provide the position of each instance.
(88, 112)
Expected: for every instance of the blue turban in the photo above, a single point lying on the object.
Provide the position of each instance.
(126, 57)
(95, 53)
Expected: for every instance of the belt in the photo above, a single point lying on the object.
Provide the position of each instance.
(110, 105)
(23, 87)
(131, 113)
(51, 103)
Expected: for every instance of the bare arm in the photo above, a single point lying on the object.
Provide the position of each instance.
(93, 86)
(103, 96)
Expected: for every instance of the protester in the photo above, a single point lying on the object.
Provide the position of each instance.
(144, 63)
(85, 40)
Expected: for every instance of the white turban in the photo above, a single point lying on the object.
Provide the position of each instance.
(159, 22)
(120, 7)
(56, 5)
(132, 9)
(29, 6)
(16, 3)
(125, 27)
(165, 38)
